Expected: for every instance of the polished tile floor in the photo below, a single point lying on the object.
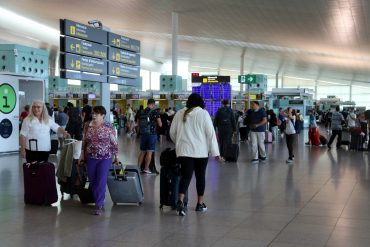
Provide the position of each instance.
(321, 200)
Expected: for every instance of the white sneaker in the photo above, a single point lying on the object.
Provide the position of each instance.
(289, 161)
(147, 172)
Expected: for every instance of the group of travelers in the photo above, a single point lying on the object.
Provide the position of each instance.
(95, 140)
(131, 118)
(260, 125)
(195, 135)
(348, 127)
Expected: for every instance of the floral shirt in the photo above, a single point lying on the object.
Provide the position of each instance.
(100, 142)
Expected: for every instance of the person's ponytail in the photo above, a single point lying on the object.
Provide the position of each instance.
(187, 111)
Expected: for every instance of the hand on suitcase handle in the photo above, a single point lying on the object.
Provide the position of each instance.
(220, 159)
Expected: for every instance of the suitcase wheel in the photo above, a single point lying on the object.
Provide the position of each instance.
(140, 203)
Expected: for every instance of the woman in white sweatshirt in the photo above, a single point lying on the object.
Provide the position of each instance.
(194, 135)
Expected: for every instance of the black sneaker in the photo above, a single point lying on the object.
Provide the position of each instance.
(180, 208)
(201, 207)
(262, 158)
(255, 161)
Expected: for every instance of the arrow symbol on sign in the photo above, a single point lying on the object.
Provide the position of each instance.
(250, 79)
(72, 47)
(113, 70)
(72, 64)
(114, 42)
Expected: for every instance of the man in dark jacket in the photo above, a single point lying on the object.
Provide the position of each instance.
(226, 125)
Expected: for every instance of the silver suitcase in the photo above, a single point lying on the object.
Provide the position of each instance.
(127, 187)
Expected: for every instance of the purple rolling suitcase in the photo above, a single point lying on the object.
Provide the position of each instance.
(39, 183)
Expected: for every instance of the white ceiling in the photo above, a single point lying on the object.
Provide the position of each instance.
(318, 39)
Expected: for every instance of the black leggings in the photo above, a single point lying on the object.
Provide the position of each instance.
(36, 156)
(289, 143)
(188, 165)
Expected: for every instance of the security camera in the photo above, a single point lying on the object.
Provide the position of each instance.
(96, 23)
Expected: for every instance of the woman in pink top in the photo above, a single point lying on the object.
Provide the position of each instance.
(99, 147)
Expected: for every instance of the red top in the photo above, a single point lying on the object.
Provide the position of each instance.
(23, 115)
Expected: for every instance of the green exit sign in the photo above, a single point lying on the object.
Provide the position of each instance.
(247, 79)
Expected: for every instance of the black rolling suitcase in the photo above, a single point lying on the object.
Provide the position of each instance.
(39, 182)
(323, 140)
(356, 142)
(83, 187)
(169, 187)
(69, 186)
(231, 152)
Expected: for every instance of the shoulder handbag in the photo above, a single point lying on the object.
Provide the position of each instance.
(86, 126)
(289, 130)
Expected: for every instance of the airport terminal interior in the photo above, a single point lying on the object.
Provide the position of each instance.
(254, 56)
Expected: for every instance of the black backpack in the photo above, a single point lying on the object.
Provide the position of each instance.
(298, 126)
(144, 121)
(224, 117)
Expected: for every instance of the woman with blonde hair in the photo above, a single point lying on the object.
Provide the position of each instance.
(35, 133)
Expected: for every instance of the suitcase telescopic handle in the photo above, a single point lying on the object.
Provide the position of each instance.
(29, 144)
(117, 177)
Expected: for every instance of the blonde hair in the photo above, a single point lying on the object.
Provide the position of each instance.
(44, 114)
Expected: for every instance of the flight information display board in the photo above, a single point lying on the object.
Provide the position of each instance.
(93, 54)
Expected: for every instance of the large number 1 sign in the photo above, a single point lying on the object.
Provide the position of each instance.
(8, 98)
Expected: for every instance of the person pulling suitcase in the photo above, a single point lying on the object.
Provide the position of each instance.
(99, 149)
(226, 126)
(39, 174)
(194, 136)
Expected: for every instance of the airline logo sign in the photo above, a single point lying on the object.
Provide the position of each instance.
(82, 47)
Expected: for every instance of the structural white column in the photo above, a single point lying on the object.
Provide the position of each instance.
(282, 81)
(316, 90)
(277, 80)
(350, 91)
(175, 26)
(105, 98)
(242, 68)
(150, 80)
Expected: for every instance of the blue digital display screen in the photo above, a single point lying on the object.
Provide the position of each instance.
(216, 92)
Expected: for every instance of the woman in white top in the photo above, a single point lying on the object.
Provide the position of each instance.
(290, 132)
(194, 135)
(35, 133)
(351, 119)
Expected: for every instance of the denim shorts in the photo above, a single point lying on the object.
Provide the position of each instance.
(148, 142)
